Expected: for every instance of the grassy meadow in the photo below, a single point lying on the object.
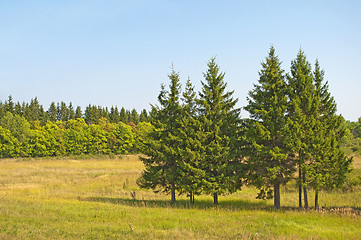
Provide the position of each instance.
(98, 199)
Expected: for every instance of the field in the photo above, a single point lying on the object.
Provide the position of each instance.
(99, 199)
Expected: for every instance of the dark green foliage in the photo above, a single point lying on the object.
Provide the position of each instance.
(301, 116)
(71, 111)
(162, 166)
(114, 115)
(268, 157)
(315, 130)
(143, 117)
(219, 121)
(191, 147)
(134, 117)
(53, 112)
(78, 112)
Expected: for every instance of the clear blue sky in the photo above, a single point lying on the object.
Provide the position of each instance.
(119, 52)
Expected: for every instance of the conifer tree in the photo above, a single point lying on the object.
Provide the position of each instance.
(328, 164)
(18, 109)
(64, 112)
(134, 117)
(301, 117)
(71, 111)
(9, 104)
(78, 112)
(162, 166)
(191, 146)
(114, 115)
(219, 123)
(52, 112)
(267, 105)
(143, 117)
(123, 116)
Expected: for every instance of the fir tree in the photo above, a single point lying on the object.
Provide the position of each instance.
(219, 123)
(78, 112)
(64, 112)
(143, 117)
(191, 147)
(328, 164)
(52, 112)
(267, 105)
(162, 166)
(71, 111)
(301, 97)
(9, 104)
(123, 115)
(134, 117)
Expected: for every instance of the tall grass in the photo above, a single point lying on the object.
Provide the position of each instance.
(99, 199)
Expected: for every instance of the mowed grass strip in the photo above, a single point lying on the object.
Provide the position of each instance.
(99, 199)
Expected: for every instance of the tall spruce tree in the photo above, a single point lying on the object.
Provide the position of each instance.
(162, 166)
(301, 118)
(143, 117)
(123, 116)
(267, 104)
(78, 112)
(219, 123)
(328, 164)
(71, 111)
(52, 112)
(191, 146)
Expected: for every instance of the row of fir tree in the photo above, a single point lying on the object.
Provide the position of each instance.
(200, 145)
(34, 111)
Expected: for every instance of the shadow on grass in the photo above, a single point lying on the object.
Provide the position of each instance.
(225, 205)
(183, 204)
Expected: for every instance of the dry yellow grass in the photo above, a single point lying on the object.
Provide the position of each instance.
(92, 199)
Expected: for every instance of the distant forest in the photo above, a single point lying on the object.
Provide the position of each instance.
(34, 111)
(27, 130)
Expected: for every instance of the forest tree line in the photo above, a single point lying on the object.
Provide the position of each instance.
(197, 143)
(26, 130)
(34, 111)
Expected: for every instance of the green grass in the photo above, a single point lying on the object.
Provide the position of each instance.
(91, 199)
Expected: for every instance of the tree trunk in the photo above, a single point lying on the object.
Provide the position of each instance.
(191, 198)
(173, 194)
(215, 199)
(316, 199)
(305, 198)
(277, 196)
(299, 187)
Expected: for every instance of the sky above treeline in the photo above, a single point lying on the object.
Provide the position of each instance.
(112, 52)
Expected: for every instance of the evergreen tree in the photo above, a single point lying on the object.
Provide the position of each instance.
(267, 105)
(219, 122)
(301, 91)
(114, 115)
(191, 146)
(123, 116)
(18, 109)
(9, 104)
(134, 117)
(52, 112)
(162, 166)
(328, 164)
(78, 112)
(143, 117)
(71, 111)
